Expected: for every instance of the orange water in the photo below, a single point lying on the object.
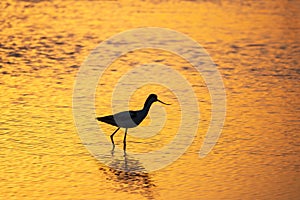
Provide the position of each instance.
(256, 48)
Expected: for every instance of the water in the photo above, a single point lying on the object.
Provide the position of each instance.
(256, 48)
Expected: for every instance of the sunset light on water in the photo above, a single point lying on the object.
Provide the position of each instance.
(255, 47)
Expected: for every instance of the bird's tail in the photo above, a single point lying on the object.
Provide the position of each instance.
(99, 118)
(108, 119)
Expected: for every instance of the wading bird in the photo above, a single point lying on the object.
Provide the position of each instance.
(129, 119)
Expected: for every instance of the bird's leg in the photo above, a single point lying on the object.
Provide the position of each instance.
(112, 138)
(124, 141)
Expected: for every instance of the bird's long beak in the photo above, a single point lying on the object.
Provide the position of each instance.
(163, 102)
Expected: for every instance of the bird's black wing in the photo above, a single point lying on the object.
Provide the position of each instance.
(123, 119)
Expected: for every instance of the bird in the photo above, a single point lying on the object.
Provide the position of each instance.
(129, 119)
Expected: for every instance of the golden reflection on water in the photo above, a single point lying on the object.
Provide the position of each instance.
(128, 179)
(256, 47)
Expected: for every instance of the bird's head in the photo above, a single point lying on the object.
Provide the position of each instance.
(153, 98)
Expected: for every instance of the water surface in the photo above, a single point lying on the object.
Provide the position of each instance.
(255, 46)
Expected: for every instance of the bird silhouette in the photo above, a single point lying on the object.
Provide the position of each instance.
(129, 119)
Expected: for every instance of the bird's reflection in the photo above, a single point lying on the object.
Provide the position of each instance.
(129, 174)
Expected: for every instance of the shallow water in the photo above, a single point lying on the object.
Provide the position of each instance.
(256, 48)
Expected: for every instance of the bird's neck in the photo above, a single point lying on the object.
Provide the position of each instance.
(147, 106)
